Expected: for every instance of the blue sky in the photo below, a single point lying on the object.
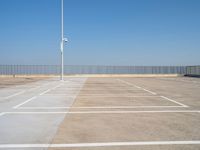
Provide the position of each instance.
(101, 32)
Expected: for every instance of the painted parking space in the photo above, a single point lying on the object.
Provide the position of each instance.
(101, 113)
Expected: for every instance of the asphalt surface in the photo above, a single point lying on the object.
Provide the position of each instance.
(101, 113)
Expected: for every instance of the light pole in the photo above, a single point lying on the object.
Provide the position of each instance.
(62, 40)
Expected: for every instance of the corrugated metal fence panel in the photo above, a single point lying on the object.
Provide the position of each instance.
(193, 70)
(75, 69)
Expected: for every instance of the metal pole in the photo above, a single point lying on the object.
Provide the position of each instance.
(62, 44)
(62, 40)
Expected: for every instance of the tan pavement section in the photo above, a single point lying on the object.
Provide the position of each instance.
(130, 127)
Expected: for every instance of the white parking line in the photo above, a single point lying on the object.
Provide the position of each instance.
(45, 92)
(2, 113)
(113, 89)
(105, 144)
(21, 92)
(111, 96)
(183, 105)
(137, 86)
(30, 99)
(34, 88)
(127, 112)
(149, 91)
(128, 83)
(17, 106)
(114, 95)
(104, 107)
(104, 112)
(13, 95)
(116, 107)
(56, 86)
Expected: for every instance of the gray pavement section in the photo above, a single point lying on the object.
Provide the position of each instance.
(35, 128)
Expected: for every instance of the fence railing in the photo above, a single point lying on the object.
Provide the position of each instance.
(193, 70)
(80, 69)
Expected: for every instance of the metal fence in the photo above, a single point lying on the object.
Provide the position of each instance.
(80, 69)
(193, 70)
(124, 70)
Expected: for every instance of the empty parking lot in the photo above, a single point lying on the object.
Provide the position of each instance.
(101, 113)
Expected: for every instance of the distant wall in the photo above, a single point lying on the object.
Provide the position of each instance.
(78, 69)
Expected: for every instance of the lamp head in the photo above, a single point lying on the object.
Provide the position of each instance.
(65, 40)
